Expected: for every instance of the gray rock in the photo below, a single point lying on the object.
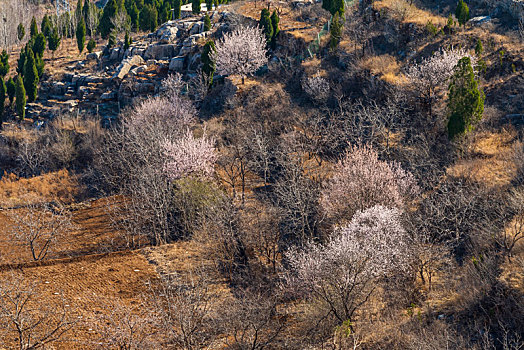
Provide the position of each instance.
(177, 64)
(108, 96)
(160, 51)
(480, 20)
(126, 66)
(94, 56)
(115, 54)
(196, 28)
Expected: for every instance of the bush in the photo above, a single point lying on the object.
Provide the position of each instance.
(91, 45)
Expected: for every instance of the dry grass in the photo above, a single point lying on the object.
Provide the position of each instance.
(386, 67)
(409, 13)
(57, 186)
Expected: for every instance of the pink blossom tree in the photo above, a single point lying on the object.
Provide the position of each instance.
(361, 180)
(188, 155)
(241, 52)
(428, 76)
(338, 277)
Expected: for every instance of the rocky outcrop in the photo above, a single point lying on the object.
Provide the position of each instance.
(126, 66)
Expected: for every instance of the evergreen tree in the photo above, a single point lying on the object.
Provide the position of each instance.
(338, 6)
(335, 31)
(177, 8)
(275, 19)
(20, 98)
(209, 66)
(4, 63)
(153, 21)
(39, 65)
(78, 11)
(133, 14)
(209, 5)
(216, 3)
(127, 42)
(327, 4)
(195, 6)
(81, 35)
(11, 90)
(54, 40)
(30, 76)
(85, 10)
(39, 44)
(106, 25)
(207, 23)
(33, 28)
(466, 99)
(478, 48)
(46, 26)
(20, 31)
(266, 25)
(91, 45)
(462, 12)
(21, 60)
(145, 18)
(2, 100)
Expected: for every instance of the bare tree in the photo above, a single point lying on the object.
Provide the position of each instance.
(316, 87)
(241, 52)
(39, 227)
(27, 319)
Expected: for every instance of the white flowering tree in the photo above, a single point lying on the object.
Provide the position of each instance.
(241, 52)
(188, 155)
(431, 74)
(337, 278)
(316, 87)
(360, 181)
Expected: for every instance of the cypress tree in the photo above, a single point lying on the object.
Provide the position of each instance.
(108, 14)
(462, 12)
(195, 6)
(133, 14)
(39, 65)
(327, 4)
(127, 42)
(209, 5)
(466, 99)
(478, 48)
(20, 98)
(30, 76)
(216, 3)
(20, 31)
(54, 40)
(11, 90)
(208, 67)
(33, 28)
(335, 31)
(177, 8)
(4, 63)
(91, 45)
(21, 60)
(153, 20)
(266, 25)
(145, 18)
(46, 26)
(81, 35)
(275, 19)
(85, 10)
(207, 23)
(2, 101)
(39, 44)
(338, 6)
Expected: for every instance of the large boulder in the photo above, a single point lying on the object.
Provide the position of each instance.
(177, 64)
(167, 34)
(196, 28)
(160, 52)
(126, 66)
(94, 56)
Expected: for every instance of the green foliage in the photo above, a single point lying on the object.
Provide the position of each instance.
(4, 63)
(148, 18)
(134, 14)
(216, 3)
(466, 99)
(78, 11)
(462, 12)
(111, 41)
(208, 67)
(450, 22)
(513, 68)
(266, 25)
(337, 6)
(11, 89)
(430, 27)
(478, 48)
(54, 40)
(34, 27)
(195, 6)
(46, 26)
(39, 44)
(106, 26)
(20, 98)
(178, 8)
(327, 4)
(501, 58)
(335, 31)
(209, 5)
(207, 23)
(81, 35)
(275, 19)
(127, 42)
(20, 32)
(30, 76)
(39, 65)
(21, 60)
(2, 100)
